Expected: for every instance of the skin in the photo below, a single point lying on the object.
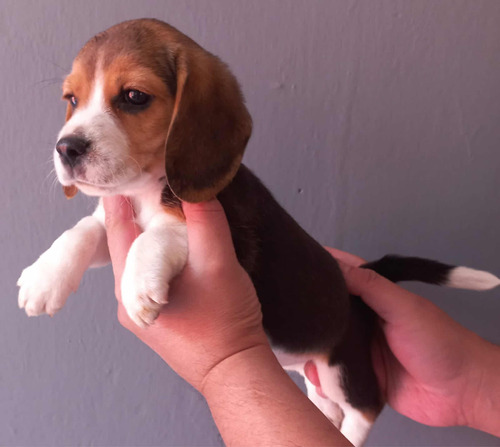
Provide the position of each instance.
(430, 368)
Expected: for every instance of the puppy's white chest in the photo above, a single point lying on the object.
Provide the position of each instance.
(145, 209)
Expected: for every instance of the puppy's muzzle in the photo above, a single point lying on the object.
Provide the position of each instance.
(72, 149)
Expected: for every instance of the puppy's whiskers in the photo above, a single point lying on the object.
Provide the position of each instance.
(51, 177)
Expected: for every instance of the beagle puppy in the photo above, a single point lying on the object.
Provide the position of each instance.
(154, 117)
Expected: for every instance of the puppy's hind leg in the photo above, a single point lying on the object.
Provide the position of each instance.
(306, 367)
(357, 421)
(347, 376)
(329, 408)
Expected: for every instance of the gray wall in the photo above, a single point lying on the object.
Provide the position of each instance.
(377, 125)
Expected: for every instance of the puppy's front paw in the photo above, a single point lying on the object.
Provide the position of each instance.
(144, 291)
(154, 258)
(44, 288)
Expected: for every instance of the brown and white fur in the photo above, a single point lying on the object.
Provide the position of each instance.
(154, 117)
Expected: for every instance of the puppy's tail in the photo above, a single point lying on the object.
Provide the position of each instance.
(401, 268)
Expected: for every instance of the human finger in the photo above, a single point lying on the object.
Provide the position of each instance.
(345, 257)
(121, 231)
(391, 302)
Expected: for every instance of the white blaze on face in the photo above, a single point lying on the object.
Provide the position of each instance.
(108, 162)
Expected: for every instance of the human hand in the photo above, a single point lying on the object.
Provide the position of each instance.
(213, 310)
(430, 368)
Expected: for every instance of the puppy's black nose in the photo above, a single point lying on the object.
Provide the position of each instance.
(71, 149)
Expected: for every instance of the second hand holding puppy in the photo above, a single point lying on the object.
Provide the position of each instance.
(430, 368)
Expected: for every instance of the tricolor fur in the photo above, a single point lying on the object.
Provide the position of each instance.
(154, 117)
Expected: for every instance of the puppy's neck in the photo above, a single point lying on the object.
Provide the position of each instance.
(147, 201)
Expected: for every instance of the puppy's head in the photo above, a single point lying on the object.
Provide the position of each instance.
(144, 100)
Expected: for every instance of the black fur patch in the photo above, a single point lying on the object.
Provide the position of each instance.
(304, 299)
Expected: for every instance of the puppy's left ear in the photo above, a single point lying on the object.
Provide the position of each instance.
(70, 191)
(209, 129)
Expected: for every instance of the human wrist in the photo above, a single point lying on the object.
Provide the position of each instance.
(216, 377)
(254, 402)
(484, 411)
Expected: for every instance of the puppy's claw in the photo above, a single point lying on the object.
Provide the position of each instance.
(142, 308)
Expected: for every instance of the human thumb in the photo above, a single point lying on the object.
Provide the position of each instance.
(391, 302)
(121, 231)
(209, 236)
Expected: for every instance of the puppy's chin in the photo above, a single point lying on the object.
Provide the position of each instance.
(127, 187)
(91, 189)
(96, 191)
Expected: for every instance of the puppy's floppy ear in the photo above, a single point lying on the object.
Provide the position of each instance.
(209, 128)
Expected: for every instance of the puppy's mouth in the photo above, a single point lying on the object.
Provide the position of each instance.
(94, 169)
(78, 176)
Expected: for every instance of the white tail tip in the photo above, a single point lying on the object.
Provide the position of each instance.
(467, 278)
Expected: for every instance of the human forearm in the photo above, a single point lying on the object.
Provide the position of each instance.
(254, 402)
(485, 409)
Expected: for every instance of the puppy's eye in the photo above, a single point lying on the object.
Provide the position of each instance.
(72, 100)
(136, 97)
(132, 101)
